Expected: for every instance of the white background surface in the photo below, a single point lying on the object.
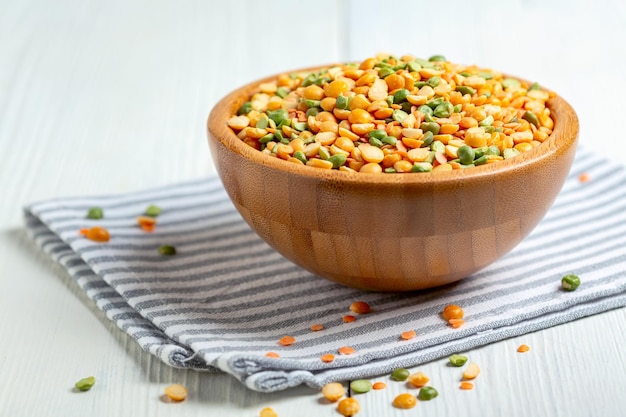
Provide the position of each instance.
(112, 96)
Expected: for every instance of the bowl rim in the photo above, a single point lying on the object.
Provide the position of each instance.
(563, 136)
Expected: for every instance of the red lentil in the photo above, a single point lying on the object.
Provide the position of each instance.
(96, 233)
(327, 357)
(379, 385)
(272, 355)
(147, 224)
(317, 327)
(286, 340)
(403, 98)
(523, 348)
(346, 350)
(408, 335)
(467, 385)
(348, 319)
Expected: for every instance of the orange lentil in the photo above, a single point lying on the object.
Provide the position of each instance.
(523, 348)
(405, 401)
(286, 340)
(379, 385)
(348, 319)
(327, 357)
(360, 307)
(467, 385)
(272, 355)
(583, 177)
(96, 233)
(452, 311)
(316, 327)
(346, 350)
(408, 335)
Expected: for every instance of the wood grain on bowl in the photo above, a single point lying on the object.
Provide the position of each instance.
(391, 232)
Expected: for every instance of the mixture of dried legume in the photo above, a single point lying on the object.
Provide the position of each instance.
(392, 115)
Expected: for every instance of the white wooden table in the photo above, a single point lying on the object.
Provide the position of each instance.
(112, 96)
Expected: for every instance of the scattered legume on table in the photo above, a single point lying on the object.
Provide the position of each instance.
(95, 213)
(317, 327)
(348, 318)
(427, 393)
(85, 384)
(418, 379)
(167, 250)
(268, 412)
(361, 386)
(360, 307)
(400, 374)
(570, 282)
(408, 335)
(96, 233)
(379, 385)
(333, 391)
(286, 340)
(458, 360)
(348, 407)
(327, 357)
(153, 211)
(391, 114)
(471, 371)
(405, 401)
(346, 350)
(176, 392)
(452, 311)
(465, 385)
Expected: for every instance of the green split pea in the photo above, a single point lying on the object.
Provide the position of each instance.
(95, 213)
(427, 394)
(361, 386)
(85, 384)
(153, 211)
(570, 282)
(167, 250)
(458, 360)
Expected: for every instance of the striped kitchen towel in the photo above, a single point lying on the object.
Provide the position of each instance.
(226, 298)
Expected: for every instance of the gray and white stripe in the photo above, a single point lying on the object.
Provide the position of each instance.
(226, 298)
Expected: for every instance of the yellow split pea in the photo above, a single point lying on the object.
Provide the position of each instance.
(391, 114)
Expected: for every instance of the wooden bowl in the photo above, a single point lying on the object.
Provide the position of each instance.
(391, 232)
